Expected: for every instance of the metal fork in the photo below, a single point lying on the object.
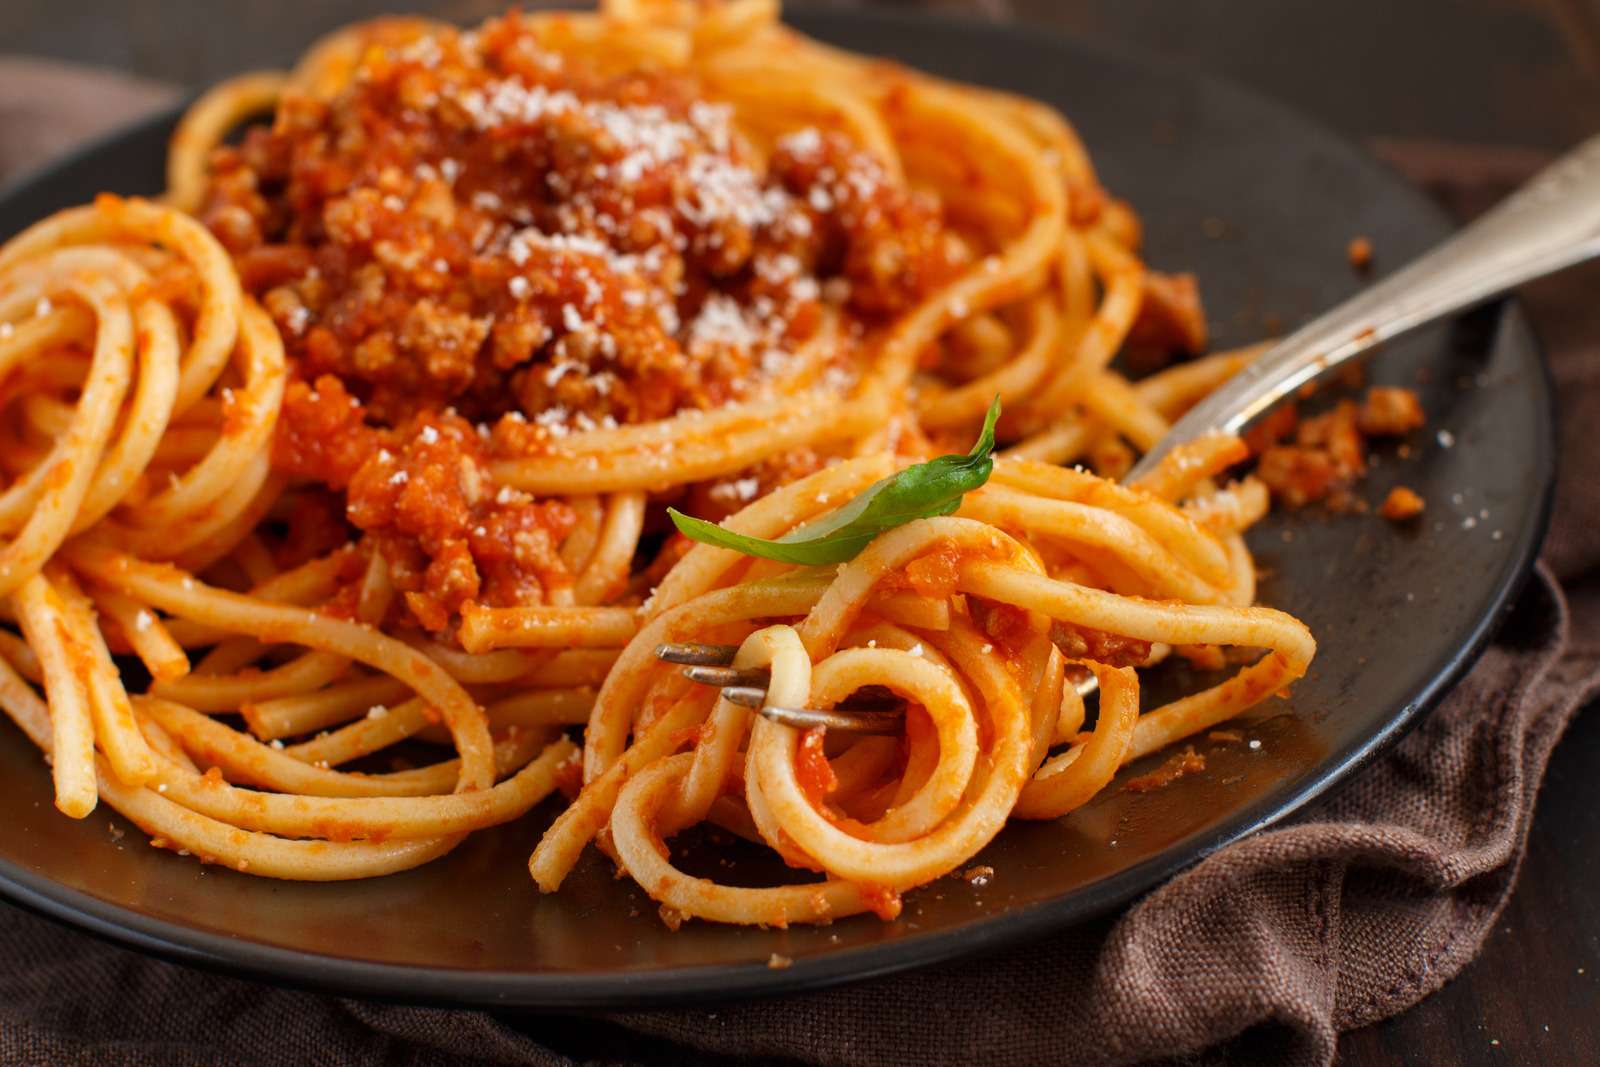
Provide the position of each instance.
(1550, 223)
(864, 713)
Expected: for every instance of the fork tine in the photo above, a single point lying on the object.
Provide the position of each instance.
(727, 676)
(869, 712)
(696, 654)
(878, 718)
(750, 696)
(856, 722)
(1082, 679)
(746, 696)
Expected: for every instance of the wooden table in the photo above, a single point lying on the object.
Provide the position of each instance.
(1497, 74)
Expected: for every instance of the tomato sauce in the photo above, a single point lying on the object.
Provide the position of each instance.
(1100, 646)
(483, 240)
(1319, 458)
(812, 769)
(1176, 766)
(422, 493)
(934, 573)
(881, 901)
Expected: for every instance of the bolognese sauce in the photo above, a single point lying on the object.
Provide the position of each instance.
(477, 247)
(1320, 458)
(481, 251)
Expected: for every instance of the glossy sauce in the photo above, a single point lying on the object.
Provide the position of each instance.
(484, 241)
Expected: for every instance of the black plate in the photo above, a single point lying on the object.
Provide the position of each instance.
(1260, 203)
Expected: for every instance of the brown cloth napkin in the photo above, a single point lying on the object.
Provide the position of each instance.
(1261, 953)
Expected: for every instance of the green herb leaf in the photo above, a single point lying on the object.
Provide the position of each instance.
(919, 492)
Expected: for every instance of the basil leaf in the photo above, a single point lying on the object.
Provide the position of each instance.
(921, 491)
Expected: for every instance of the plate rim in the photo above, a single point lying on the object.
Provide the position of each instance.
(677, 986)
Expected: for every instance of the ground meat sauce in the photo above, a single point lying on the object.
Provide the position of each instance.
(421, 492)
(1178, 765)
(1318, 458)
(812, 769)
(1402, 504)
(1101, 646)
(314, 526)
(1005, 624)
(488, 243)
(1171, 323)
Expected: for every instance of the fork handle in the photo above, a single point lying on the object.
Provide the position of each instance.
(1550, 223)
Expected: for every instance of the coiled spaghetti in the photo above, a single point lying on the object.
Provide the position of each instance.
(358, 445)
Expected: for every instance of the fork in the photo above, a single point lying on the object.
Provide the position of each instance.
(1551, 223)
(866, 712)
(711, 665)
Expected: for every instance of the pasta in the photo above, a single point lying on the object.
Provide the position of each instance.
(356, 448)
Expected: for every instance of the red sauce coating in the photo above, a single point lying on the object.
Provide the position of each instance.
(498, 243)
(422, 493)
(1318, 458)
(1176, 766)
(569, 777)
(1390, 411)
(471, 214)
(1006, 624)
(881, 901)
(812, 769)
(313, 527)
(1100, 646)
(1359, 252)
(934, 573)
(1401, 504)
(1171, 322)
(1272, 428)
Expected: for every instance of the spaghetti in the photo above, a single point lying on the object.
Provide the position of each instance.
(359, 444)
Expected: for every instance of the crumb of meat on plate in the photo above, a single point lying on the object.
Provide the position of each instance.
(1401, 504)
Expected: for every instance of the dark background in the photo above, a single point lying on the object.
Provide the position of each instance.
(1445, 84)
(1521, 72)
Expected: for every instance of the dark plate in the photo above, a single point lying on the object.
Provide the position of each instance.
(1260, 203)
